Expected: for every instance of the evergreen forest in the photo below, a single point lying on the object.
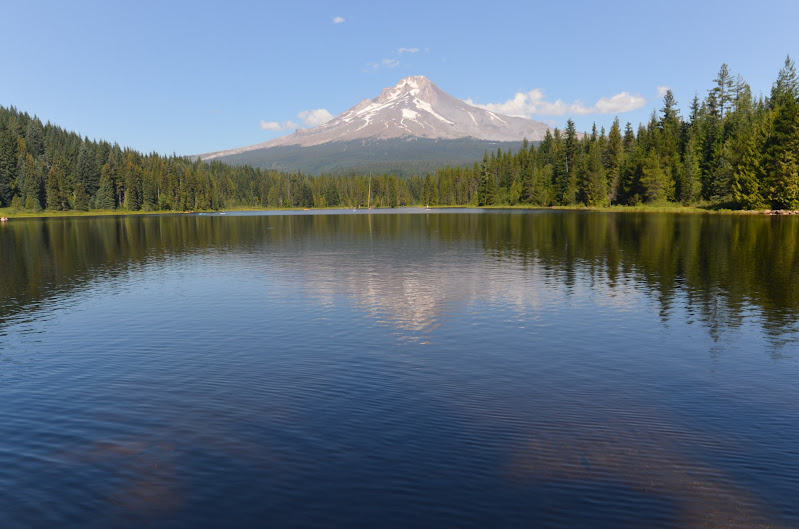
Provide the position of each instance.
(729, 149)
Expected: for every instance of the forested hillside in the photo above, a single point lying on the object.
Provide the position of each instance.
(403, 157)
(732, 149)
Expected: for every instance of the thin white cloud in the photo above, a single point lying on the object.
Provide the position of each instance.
(662, 90)
(618, 104)
(384, 63)
(309, 118)
(407, 50)
(278, 126)
(316, 117)
(339, 20)
(525, 104)
(270, 125)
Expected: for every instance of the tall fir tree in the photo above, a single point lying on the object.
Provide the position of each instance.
(613, 161)
(723, 91)
(56, 192)
(782, 147)
(747, 185)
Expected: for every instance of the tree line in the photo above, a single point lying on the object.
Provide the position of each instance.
(732, 149)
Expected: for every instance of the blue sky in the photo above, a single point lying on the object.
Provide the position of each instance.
(193, 77)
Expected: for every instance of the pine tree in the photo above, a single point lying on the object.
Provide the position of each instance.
(28, 186)
(655, 182)
(613, 161)
(596, 184)
(132, 179)
(629, 137)
(8, 163)
(486, 193)
(748, 178)
(80, 197)
(105, 194)
(786, 178)
(669, 144)
(721, 170)
(87, 172)
(786, 87)
(743, 103)
(723, 91)
(56, 188)
(34, 137)
(568, 183)
(782, 146)
(690, 185)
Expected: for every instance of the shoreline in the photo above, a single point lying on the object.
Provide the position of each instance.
(8, 214)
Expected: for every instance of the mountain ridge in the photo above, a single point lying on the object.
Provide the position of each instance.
(413, 108)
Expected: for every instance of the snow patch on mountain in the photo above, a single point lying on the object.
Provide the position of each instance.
(414, 107)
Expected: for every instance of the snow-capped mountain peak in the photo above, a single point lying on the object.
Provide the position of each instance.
(414, 107)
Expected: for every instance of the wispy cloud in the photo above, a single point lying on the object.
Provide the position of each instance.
(339, 20)
(278, 125)
(534, 102)
(662, 90)
(384, 63)
(618, 104)
(309, 118)
(316, 117)
(407, 50)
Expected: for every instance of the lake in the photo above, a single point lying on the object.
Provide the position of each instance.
(407, 368)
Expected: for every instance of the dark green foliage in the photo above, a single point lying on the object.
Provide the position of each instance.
(87, 170)
(34, 137)
(656, 184)
(689, 186)
(8, 159)
(732, 150)
(105, 194)
(614, 155)
(595, 185)
(567, 184)
(487, 191)
(56, 191)
(28, 180)
(402, 157)
(80, 197)
(782, 147)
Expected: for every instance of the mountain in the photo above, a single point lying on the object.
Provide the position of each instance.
(400, 156)
(408, 122)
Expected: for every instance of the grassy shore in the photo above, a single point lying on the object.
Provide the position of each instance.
(12, 213)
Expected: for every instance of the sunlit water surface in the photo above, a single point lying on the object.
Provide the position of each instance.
(404, 369)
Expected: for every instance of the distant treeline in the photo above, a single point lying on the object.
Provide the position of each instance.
(733, 150)
(405, 156)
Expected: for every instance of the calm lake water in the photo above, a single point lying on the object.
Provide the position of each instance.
(402, 369)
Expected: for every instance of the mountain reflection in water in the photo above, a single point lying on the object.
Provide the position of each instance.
(457, 368)
(411, 269)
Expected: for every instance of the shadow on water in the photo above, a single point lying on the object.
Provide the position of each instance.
(405, 463)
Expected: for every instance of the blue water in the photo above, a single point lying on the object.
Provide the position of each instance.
(412, 369)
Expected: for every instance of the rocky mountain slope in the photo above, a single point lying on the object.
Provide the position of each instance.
(415, 108)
